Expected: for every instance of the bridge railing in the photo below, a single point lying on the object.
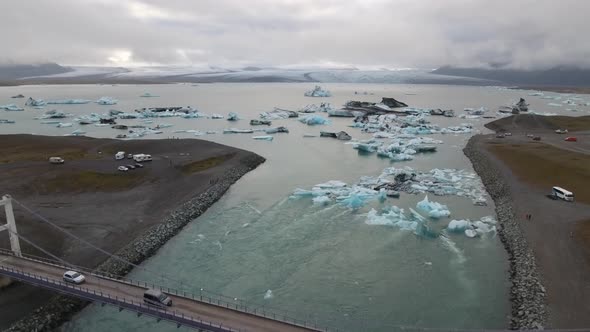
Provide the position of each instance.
(106, 298)
(202, 296)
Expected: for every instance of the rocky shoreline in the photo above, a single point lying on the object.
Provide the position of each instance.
(62, 308)
(527, 294)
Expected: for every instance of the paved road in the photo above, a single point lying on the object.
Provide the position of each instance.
(196, 309)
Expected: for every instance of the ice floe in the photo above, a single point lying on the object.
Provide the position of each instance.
(313, 119)
(473, 228)
(106, 101)
(11, 108)
(439, 182)
(317, 91)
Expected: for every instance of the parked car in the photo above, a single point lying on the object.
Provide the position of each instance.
(130, 156)
(561, 131)
(571, 139)
(123, 168)
(507, 134)
(120, 155)
(500, 136)
(537, 138)
(130, 166)
(139, 165)
(74, 277)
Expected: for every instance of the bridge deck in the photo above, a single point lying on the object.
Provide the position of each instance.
(183, 310)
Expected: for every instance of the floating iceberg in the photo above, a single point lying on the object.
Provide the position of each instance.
(64, 124)
(148, 95)
(106, 101)
(395, 216)
(67, 102)
(232, 116)
(11, 107)
(435, 210)
(276, 130)
(268, 295)
(478, 111)
(35, 102)
(313, 108)
(278, 114)
(313, 119)
(473, 228)
(76, 132)
(216, 116)
(237, 131)
(318, 92)
(263, 138)
(54, 114)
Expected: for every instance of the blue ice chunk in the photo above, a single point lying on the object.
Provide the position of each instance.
(313, 119)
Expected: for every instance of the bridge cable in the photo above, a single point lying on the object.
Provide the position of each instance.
(41, 249)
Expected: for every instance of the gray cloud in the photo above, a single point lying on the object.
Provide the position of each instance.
(364, 33)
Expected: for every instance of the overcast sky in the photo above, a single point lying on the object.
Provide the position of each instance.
(362, 33)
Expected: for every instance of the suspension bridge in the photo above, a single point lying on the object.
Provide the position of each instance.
(195, 310)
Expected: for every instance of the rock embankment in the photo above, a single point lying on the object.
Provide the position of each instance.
(527, 293)
(62, 308)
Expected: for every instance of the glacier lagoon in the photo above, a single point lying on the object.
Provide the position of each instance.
(320, 262)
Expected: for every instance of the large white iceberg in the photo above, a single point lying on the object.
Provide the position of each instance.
(318, 92)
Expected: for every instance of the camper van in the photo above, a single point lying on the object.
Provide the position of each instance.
(157, 298)
(563, 194)
(120, 155)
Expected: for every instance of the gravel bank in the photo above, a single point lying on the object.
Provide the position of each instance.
(62, 308)
(527, 294)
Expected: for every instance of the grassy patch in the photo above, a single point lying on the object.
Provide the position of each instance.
(545, 166)
(570, 123)
(12, 154)
(201, 165)
(85, 181)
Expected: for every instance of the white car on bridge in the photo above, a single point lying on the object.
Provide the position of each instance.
(74, 277)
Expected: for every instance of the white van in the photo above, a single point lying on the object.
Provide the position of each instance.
(120, 155)
(56, 160)
(563, 194)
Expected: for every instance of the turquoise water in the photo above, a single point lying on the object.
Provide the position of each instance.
(321, 263)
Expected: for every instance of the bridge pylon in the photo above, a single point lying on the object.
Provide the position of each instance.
(6, 201)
